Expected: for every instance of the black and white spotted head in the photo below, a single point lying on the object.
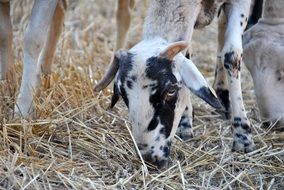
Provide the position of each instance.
(154, 79)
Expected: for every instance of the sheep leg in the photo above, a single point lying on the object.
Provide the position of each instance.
(184, 130)
(123, 20)
(34, 40)
(220, 84)
(236, 13)
(47, 55)
(6, 38)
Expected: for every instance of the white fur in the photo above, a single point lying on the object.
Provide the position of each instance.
(171, 21)
(140, 110)
(162, 26)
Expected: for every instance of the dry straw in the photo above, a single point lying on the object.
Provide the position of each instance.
(77, 142)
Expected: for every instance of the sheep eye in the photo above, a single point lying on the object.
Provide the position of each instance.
(171, 93)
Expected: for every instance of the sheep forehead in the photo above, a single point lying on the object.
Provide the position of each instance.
(150, 71)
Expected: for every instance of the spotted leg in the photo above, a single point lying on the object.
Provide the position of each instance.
(234, 21)
(220, 84)
(184, 130)
(34, 40)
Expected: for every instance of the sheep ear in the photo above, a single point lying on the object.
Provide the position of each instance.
(196, 83)
(173, 49)
(115, 96)
(111, 71)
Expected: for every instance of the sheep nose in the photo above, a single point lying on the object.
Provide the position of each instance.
(155, 160)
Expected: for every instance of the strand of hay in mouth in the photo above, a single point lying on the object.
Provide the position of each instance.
(77, 142)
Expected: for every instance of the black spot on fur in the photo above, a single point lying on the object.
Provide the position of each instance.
(153, 124)
(184, 122)
(231, 63)
(183, 125)
(160, 70)
(129, 84)
(246, 127)
(238, 123)
(162, 130)
(241, 137)
(133, 78)
(241, 23)
(166, 151)
(237, 119)
(223, 95)
(125, 66)
(169, 143)
(228, 59)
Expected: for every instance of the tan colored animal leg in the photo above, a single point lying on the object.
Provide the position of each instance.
(6, 38)
(34, 40)
(47, 55)
(123, 20)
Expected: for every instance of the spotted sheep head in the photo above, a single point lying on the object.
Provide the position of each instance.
(154, 79)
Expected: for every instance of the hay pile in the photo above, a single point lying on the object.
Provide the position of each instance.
(78, 143)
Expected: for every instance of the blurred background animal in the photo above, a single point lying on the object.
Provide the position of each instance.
(263, 56)
(40, 41)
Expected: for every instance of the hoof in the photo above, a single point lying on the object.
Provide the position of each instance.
(24, 108)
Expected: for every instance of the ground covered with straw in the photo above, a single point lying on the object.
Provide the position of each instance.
(77, 142)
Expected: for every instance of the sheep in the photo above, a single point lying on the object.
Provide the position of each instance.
(263, 56)
(40, 41)
(154, 77)
(39, 46)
